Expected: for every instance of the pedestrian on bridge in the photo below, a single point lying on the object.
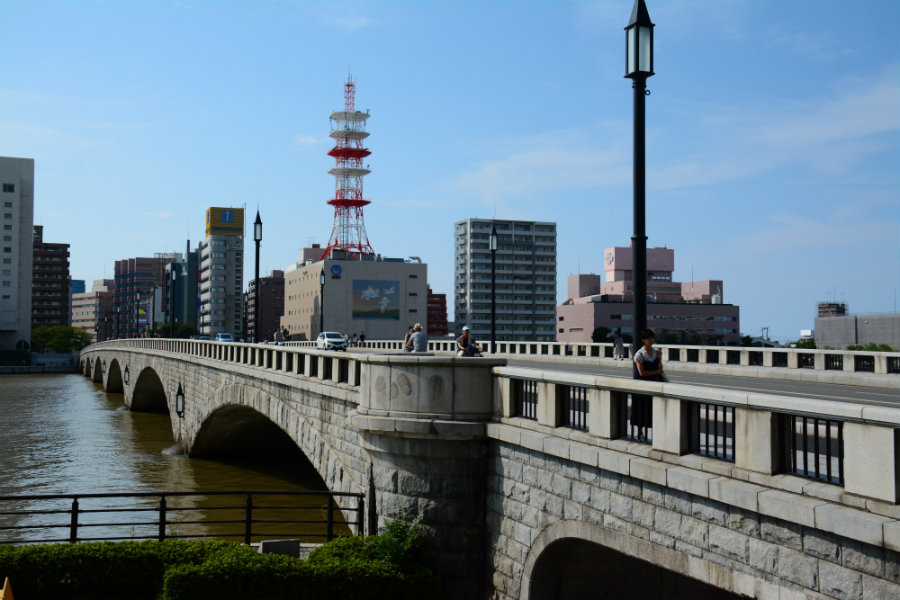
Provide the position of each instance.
(618, 346)
(418, 341)
(647, 366)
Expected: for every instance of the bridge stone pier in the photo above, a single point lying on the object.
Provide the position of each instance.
(544, 484)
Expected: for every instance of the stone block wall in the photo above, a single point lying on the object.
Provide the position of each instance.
(531, 493)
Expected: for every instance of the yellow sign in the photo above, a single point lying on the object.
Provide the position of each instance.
(224, 221)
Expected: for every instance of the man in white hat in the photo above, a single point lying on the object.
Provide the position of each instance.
(466, 344)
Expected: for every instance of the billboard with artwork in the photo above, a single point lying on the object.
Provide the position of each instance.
(376, 299)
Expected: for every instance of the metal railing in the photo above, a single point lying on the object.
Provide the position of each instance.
(248, 515)
(814, 448)
(574, 407)
(526, 398)
(712, 430)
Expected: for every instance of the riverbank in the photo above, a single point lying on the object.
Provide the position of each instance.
(37, 369)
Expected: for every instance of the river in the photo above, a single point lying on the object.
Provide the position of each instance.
(62, 434)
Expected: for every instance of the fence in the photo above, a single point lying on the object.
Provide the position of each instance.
(243, 514)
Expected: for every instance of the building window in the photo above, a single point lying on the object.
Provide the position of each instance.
(7, 204)
(413, 276)
(7, 249)
(413, 294)
(9, 187)
(7, 215)
(5, 284)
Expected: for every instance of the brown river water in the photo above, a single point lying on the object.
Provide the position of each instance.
(62, 434)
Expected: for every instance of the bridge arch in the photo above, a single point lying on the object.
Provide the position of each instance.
(86, 365)
(114, 378)
(98, 371)
(240, 414)
(574, 560)
(149, 393)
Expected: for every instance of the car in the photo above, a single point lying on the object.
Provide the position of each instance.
(224, 337)
(331, 340)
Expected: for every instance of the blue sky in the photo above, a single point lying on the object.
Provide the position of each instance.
(773, 132)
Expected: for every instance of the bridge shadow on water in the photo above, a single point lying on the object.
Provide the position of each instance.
(572, 569)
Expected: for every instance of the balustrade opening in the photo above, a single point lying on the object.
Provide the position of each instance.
(814, 448)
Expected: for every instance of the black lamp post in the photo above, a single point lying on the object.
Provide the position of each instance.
(638, 67)
(137, 316)
(492, 245)
(174, 283)
(257, 237)
(117, 323)
(322, 301)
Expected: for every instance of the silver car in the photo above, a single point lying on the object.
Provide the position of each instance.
(331, 340)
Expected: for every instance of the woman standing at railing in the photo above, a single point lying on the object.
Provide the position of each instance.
(647, 366)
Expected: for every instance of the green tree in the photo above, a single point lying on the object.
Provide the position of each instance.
(59, 338)
(601, 335)
(807, 344)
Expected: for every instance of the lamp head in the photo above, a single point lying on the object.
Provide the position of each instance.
(492, 240)
(639, 42)
(257, 228)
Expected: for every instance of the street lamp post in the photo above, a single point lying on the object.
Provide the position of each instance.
(638, 67)
(322, 301)
(492, 244)
(174, 283)
(117, 323)
(137, 316)
(257, 237)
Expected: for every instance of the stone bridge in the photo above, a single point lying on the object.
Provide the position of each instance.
(540, 484)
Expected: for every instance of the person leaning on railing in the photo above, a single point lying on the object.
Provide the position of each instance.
(647, 366)
(466, 344)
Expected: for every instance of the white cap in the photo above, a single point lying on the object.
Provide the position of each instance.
(465, 328)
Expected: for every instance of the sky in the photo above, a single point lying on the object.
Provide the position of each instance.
(773, 132)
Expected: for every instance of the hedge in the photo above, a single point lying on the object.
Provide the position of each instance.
(182, 570)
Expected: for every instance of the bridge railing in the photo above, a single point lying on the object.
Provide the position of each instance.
(855, 446)
(328, 366)
(247, 515)
(837, 361)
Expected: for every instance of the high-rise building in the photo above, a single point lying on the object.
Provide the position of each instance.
(185, 287)
(222, 272)
(437, 314)
(16, 257)
(49, 282)
(93, 311)
(525, 279)
(76, 286)
(136, 284)
(688, 312)
(270, 301)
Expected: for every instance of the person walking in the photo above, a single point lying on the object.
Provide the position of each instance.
(418, 341)
(648, 367)
(618, 346)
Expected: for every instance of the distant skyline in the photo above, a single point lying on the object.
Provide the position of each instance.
(773, 133)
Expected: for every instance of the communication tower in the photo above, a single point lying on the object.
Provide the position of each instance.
(348, 128)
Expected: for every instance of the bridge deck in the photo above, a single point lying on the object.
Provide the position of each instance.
(802, 389)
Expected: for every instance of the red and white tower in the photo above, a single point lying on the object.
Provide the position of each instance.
(348, 128)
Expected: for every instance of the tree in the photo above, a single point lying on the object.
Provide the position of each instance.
(809, 344)
(59, 338)
(182, 330)
(601, 335)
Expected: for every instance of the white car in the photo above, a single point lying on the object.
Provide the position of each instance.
(224, 337)
(331, 340)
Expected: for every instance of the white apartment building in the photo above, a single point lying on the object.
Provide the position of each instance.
(525, 279)
(16, 249)
(222, 272)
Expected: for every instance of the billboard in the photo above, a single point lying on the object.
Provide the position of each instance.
(224, 221)
(376, 299)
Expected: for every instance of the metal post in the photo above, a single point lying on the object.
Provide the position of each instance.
(248, 520)
(174, 283)
(321, 306)
(162, 518)
(256, 298)
(639, 239)
(73, 523)
(329, 534)
(360, 514)
(494, 301)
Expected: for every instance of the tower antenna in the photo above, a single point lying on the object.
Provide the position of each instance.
(348, 129)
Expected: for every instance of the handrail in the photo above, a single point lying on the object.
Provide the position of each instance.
(80, 516)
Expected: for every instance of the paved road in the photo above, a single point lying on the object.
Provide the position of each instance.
(823, 391)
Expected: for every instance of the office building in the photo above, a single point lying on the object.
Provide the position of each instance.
(222, 272)
(76, 286)
(49, 282)
(837, 328)
(94, 312)
(525, 279)
(689, 312)
(270, 303)
(378, 297)
(185, 288)
(138, 282)
(16, 258)
(437, 314)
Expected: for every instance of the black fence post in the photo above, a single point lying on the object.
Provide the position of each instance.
(73, 525)
(329, 535)
(360, 511)
(248, 520)
(162, 518)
